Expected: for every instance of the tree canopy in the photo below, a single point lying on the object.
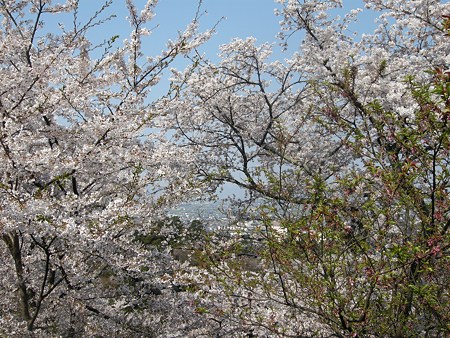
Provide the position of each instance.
(342, 151)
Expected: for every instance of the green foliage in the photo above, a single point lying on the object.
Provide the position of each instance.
(369, 254)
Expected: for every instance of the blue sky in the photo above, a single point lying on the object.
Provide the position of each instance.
(238, 18)
(242, 18)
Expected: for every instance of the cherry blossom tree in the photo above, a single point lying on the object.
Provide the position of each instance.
(343, 151)
(82, 174)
